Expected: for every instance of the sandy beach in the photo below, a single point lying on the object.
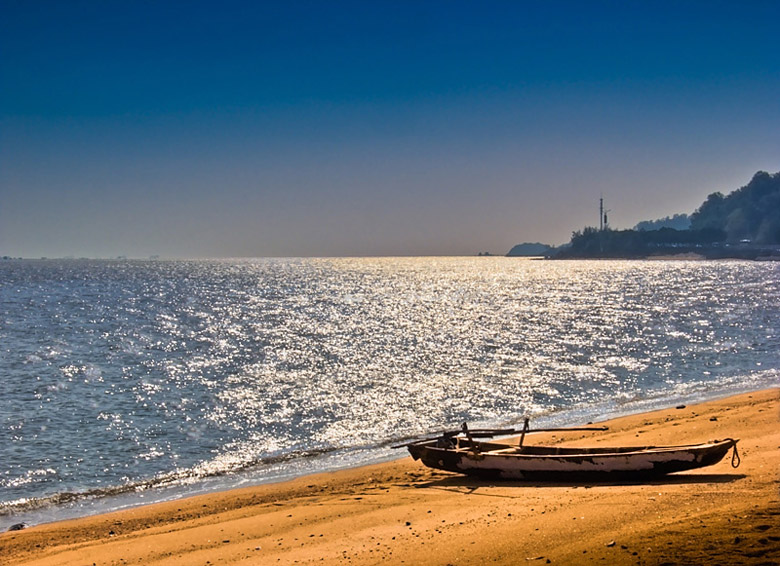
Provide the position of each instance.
(403, 513)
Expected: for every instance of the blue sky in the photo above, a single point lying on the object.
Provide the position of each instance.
(233, 129)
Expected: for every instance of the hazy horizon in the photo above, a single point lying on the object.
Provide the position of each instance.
(371, 129)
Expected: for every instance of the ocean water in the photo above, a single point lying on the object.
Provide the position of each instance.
(124, 382)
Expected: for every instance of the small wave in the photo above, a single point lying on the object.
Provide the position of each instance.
(178, 477)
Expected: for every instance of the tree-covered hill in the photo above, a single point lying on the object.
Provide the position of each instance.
(678, 222)
(749, 213)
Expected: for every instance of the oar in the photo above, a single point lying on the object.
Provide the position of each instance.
(491, 432)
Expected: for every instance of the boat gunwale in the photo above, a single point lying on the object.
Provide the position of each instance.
(576, 452)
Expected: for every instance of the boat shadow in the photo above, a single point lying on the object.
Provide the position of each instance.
(472, 483)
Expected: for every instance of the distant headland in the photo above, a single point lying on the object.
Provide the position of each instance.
(745, 224)
(530, 250)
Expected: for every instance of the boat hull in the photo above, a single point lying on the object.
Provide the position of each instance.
(540, 463)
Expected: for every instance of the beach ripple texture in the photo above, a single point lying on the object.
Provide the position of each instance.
(132, 381)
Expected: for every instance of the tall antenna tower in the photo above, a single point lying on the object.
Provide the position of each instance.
(603, 221)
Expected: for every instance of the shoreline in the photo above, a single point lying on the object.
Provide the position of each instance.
(83, 504)
(400, 512)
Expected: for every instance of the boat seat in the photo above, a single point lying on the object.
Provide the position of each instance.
(510, 450)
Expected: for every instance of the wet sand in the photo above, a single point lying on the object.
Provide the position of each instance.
(403, 513)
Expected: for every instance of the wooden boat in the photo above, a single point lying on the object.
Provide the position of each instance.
(461, 453)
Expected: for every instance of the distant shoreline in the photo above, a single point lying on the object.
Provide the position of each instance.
(762, 253)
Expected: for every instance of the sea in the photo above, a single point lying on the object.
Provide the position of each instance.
(125, 382)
